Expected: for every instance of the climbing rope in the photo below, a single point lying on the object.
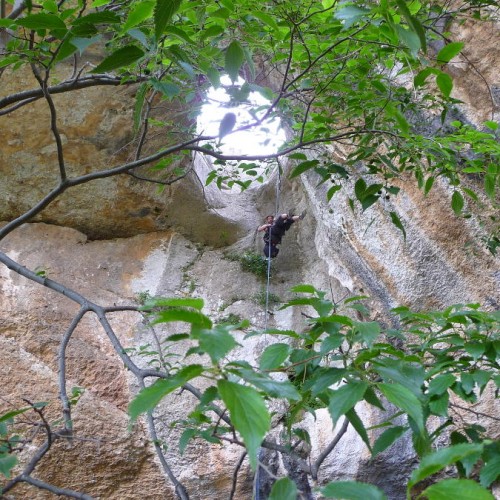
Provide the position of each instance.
(256, 483)
(278, 192)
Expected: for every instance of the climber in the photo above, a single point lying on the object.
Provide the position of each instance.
(274, 229)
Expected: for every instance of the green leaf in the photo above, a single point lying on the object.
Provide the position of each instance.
(409, 375)
(7, 463)
(82, 43)
(448, 52)
(249, 61)
(173, 30)
(186, 436)
(332, 191)
(439, 405)
(266, 19)
(274, 388)
(490, 472)
(413, 23)
(297, 156)
(273, 356)
(397, 222)
(233, 60)
(345, 398)
(104, 17)
(457, 202)
(42, 21)
(120, 58)
(440, 459)
(372, 399)
(352, 490)
(13, 413)
(212, 31)
(388, 437)
(7, 23)
(445, 84)
(409, 38)
(150, 396)
(441, 384)
(359, 427)
(489, 185)
(283, 489)
(326, 377)
(421, 76)
(164, 10)
(351, 13)
(359, 189)
(457, 489)
(332, 342)
(404, 399)
(217, 343)
(66, 49)
(475, 349)
(471, 193)
(248, 413)
(214, 76)
(428, 185)
(168, 89)
(336, 318)
(193, 317)
(139, 12)
(491, 124)
(368, 330)
(303, 167)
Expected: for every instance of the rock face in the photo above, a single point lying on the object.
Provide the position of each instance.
(116, 240)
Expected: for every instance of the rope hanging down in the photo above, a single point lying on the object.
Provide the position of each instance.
(278, 191)
(256, 482)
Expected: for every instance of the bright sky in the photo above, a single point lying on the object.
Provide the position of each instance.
(262, 140)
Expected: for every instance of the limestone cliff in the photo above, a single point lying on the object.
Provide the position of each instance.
(118, 239)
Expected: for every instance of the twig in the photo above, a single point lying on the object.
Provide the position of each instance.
(180, 490)
(55, 489)
(235, 475)
(61, 361)
(324, 454)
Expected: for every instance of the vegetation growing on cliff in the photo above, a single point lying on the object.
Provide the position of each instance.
(366, 78)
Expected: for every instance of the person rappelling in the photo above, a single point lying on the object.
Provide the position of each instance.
(274, 229)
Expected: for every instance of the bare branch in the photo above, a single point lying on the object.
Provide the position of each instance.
(235, 475)
(27, 96)
(61, 361)
(55, 489)
(324, 454)
(179, 488)
(53, 120)
(475, 412)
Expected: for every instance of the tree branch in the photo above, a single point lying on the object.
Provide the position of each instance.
(55, 489)
(235, 475)
(324, 454)
(61, 361)
(27, 96)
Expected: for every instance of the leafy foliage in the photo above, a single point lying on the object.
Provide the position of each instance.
(338, 362)
(253, 262)
(361, 101)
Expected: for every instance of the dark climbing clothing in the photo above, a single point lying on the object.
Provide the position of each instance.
(273, 235)
(271, 250)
